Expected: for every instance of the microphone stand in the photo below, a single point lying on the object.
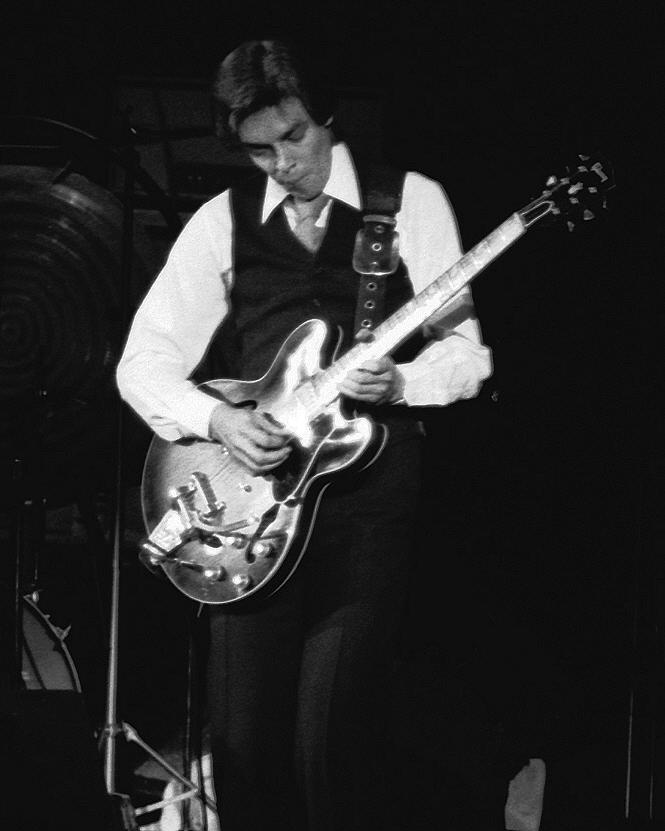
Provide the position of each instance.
(113, 727)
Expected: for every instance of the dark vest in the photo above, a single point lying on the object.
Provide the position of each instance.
(279, 284)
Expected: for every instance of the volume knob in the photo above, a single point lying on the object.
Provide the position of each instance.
(242, 582)
(262, 549)
(214, 573)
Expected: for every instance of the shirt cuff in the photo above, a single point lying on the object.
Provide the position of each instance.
(192, 415)
(446, 371)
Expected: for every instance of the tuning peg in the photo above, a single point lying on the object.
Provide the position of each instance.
(587, 215)
(598, 170)
(571, 226)
(551, 181)
(576, 188)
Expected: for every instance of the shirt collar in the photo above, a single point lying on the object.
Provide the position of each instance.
(342, 184)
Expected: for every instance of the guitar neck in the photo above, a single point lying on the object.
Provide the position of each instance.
(406, 320)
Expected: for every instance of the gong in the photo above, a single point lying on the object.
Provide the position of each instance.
(61, 315)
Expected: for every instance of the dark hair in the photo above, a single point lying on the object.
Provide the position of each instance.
(261, 73)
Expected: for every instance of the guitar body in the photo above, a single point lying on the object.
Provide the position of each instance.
(222, 534)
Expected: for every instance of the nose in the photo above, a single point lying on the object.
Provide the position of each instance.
(283, 160)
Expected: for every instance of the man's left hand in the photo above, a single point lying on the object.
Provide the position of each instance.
(375, 382)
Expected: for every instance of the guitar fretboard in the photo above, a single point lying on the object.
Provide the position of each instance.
(400, 325)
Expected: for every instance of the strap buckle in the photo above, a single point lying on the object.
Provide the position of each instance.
(376, 249)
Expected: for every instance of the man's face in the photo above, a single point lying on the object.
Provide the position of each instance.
(289, 146)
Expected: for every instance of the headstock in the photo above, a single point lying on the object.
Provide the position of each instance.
(578, 195)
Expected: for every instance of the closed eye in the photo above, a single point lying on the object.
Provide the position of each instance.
(298, 133)
(294, 135)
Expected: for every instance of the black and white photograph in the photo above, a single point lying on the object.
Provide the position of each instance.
(331, 383)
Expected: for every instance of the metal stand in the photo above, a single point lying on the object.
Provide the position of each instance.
(113, 727)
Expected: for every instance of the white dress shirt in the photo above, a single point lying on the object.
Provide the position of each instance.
(189, 299)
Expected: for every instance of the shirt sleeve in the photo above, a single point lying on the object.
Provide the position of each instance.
(174, 324)
(455, 361)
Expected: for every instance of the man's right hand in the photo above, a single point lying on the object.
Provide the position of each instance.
(252, 436)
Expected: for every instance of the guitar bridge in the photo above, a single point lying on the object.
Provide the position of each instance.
(167, 536)
(197, 501)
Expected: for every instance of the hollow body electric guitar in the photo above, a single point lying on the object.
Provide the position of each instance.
(223, 535)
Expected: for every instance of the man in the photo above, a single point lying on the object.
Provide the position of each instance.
(297, 684)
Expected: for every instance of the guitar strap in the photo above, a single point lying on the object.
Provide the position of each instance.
(376, 249)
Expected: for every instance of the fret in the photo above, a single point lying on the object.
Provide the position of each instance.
(418, 310)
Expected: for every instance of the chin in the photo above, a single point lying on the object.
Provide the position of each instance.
(305, 189)
(302, 191)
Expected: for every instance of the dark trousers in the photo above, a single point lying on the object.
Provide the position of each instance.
(298, 688)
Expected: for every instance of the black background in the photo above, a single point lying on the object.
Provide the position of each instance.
(535, 604)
